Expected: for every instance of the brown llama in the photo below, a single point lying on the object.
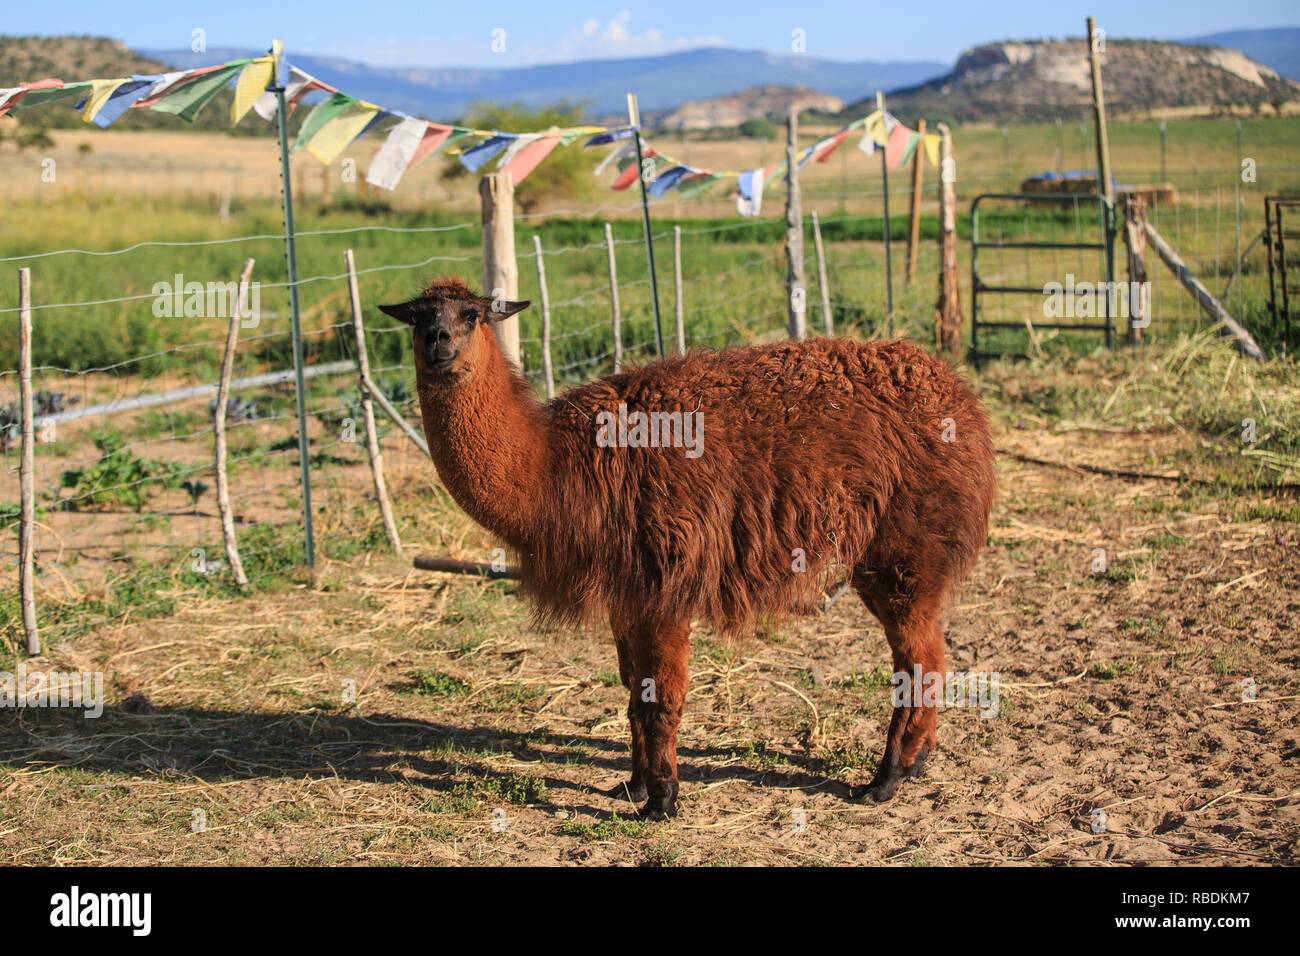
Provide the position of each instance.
(872, 456)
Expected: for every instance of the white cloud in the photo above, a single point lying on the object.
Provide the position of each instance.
(616, 38)
(590, 39)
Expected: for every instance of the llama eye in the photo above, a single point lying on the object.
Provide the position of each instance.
(471, 316)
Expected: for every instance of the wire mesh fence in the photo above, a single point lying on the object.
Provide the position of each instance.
(125, 373)
(126, 364)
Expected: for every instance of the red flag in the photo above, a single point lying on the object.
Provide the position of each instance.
(825, 152)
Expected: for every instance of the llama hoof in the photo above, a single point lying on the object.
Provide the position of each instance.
(882, 791)
(885, 782)
(918, 765)
(661, 806)
(631, 791)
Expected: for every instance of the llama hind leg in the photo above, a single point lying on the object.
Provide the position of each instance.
(634, 789)
(659, 679)
(916, 646)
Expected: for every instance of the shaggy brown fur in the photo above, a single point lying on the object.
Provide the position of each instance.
(870, 456)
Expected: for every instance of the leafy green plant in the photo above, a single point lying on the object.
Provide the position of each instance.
(119, 477)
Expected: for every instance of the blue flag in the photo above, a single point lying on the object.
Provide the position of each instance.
(667, 181)
(473, 159)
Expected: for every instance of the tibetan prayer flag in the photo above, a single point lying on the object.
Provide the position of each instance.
(667, 181)
(381, 114)
(878, 128)
(616, 155)
(253, 81)
(610, 136)
(122, 99)
(932, 148)
(750, 188)
(299, 85)
(626, 178)
(10, 96)
(100, 91)
(436, 137)
(334, 136)
(629, 167)
(169, 81)
(525, 159)
(520, 141)
(867, 144)
(47, 91)
(324, 112)
(186, 100)
(478, 156)
(395, 156)
(825, 153)
(902, 143)
(696, 184)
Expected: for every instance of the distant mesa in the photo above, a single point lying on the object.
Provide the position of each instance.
(757, 102)
(1049, 79)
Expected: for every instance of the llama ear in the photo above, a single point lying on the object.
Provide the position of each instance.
(503, 310)
(404, 312)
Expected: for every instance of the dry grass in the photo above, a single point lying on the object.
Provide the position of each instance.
(474, 739)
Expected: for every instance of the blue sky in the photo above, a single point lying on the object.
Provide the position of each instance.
(424, 33)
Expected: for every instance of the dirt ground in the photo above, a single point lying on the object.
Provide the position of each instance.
(231, 735)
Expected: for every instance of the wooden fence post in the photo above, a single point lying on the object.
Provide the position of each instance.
(546, 319)
(1105, 185)
(219, 432)
(1135, 240)
(500, 273)
(914, 226)
(367, 407)
(677, 281)
(27, 466)
(613, 296)
(947, 317)
(822, 284)
(796, 285)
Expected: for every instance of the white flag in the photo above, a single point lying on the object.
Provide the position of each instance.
(395, 155)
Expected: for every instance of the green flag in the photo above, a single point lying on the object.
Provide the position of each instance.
(325, 111)
(690, 188)
(186, 100)
(41, 97)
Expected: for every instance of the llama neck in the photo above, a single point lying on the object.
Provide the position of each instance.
(487, 438)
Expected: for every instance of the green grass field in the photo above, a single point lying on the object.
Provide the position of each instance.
(726, 284)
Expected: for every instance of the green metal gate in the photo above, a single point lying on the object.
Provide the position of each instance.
(1276, 235)
(979, 287)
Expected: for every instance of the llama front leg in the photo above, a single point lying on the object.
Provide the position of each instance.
(917, 649)
(659, 679)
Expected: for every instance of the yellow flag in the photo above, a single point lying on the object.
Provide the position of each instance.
(876, 127)
(253, 80)
(932, 149)
(335, 135)
(101, 90)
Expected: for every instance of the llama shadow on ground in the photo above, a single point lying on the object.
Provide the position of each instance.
(224, 745)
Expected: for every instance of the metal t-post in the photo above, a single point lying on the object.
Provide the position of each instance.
(291, 261)
(634, 119)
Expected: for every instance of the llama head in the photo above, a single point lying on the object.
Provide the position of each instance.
(449, 328)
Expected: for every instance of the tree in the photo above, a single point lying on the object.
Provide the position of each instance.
(565, 172)
(758, 127)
